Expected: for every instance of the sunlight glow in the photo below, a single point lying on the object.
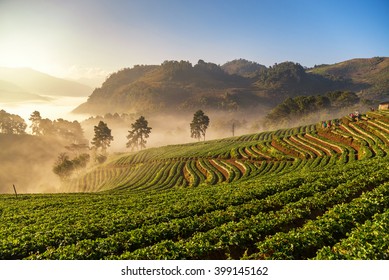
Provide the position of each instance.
(22, 52)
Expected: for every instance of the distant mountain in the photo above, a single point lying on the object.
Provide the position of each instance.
(35, 82)
(12, 93)
(240, 85)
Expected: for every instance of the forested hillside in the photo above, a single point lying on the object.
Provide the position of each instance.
(240, 85)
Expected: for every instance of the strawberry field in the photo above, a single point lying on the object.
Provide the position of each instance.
(302, 193)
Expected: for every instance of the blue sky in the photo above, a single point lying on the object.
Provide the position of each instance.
(84, 37)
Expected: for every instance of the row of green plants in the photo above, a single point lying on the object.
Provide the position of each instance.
(237, 238)
(223, 221)
(368, 241)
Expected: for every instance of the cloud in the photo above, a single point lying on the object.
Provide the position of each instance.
(78, 72)
(91, 76)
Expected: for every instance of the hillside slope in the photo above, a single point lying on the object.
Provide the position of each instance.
(232, 159)
(304, 193)
(369, 76)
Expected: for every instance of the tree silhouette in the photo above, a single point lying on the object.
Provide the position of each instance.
(64, 166)
(199, 125)
(36, 119)
(102, 137)
(140, 131)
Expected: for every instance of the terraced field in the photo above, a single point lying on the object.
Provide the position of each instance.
(302, 193)
(240, 158)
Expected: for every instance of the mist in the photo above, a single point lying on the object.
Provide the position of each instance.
(27, 162)
(56, 107)
(174, 128)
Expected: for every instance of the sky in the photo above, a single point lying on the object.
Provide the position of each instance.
(86, 39)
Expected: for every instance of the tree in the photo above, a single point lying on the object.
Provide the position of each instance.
(64, 166)
(137, 136)
(46, 127)
(199, 125)
(70, 131)
(36, 119)
(102, 137)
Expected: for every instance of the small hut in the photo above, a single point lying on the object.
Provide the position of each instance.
(383, 105)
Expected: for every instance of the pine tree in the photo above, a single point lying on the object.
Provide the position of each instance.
(102, 137)
(36, 119)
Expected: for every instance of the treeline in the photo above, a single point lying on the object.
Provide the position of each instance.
(69, 131)
(11, 124)
(65, 130)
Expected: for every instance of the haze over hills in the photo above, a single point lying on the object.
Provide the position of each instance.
(10, 92)
(25, 80)
(239, 85)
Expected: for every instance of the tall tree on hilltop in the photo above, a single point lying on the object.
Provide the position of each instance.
(199, 125)
(102, 137)
(137, 136)
(36, 119)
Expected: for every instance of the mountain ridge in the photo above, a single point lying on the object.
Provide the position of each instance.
(36, 82)
(236, 85)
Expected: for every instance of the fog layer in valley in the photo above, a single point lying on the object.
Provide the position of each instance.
(27, 161)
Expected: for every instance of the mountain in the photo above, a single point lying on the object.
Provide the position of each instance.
(12, 93)
(173, 84)
(35, 82)
(240, 85)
